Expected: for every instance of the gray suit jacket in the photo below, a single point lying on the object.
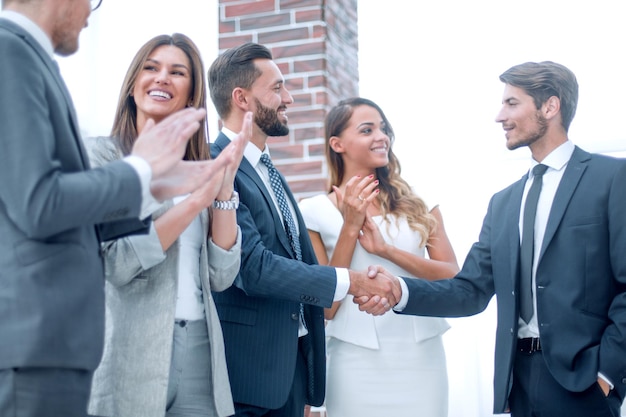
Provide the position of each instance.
(141, 289)
(51, 276)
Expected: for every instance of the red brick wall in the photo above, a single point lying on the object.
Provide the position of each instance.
(314, 43)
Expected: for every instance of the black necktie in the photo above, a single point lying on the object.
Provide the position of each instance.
(528, 244)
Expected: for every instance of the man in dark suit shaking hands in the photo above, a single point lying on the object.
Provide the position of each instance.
(55, 211)
(561, 334)
(272, 317)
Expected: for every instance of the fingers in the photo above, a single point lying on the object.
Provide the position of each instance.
(369, 192)
(235, 151)
(163, 144)
(178, 127)
(375, 305)
(374, 270)
(376, 282)
(184, 178)
(339, 195)
(362, 189)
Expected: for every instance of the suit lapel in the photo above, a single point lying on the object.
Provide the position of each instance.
(513, 213)
(53, 69)
(571, 177)
(248, 171)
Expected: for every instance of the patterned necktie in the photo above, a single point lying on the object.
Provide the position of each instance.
(527, 250)
(279, 193)
(290, 227)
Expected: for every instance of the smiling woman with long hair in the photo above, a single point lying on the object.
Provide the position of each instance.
(164, 352)
(391, 364)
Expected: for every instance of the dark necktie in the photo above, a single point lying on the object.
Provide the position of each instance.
(292, 232)
(279, 193)
(290, 225)
(528, 244)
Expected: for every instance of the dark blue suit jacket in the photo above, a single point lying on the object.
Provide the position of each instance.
(581, 278)
(259, 313)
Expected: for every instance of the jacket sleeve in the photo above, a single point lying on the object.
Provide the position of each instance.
(47, 186)
(613, 343)
(224, 264)
(125, 258)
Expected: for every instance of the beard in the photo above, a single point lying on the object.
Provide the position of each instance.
(268, 121)
(533, 136)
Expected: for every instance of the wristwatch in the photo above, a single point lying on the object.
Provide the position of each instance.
(232, 204)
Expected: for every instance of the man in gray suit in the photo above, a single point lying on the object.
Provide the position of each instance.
(55, 211)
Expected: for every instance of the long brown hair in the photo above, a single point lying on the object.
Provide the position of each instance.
(125, 122)
(396, 196)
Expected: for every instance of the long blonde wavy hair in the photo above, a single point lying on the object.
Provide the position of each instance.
(396, 196)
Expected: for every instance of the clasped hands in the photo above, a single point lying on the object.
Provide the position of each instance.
(376, 291)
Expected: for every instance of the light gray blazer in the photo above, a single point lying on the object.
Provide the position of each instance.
(51, 277)
(141, 290)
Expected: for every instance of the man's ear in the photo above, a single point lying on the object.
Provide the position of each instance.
(240, 98)
(335, 144)
(551, 107)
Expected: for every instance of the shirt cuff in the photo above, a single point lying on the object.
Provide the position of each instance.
(343, 284)
(404, 298)
(605, 379)
(148, 203)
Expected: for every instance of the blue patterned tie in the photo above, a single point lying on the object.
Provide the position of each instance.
(527, 249)
(279, 193)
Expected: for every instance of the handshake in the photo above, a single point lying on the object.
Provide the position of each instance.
(376, 291)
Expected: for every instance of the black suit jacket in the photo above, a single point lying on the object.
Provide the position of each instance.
(51, 272)
(581, 278)
(259, 313)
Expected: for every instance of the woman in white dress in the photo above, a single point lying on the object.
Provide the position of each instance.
(388, 365)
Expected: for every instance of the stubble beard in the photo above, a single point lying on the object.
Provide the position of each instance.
(533, 136)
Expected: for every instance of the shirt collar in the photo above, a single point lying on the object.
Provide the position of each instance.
(251, 153)
(558, 158)
(31, 27)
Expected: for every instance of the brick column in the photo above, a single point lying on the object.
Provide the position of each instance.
(315, 45)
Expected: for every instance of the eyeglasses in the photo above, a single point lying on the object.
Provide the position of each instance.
(95, 4)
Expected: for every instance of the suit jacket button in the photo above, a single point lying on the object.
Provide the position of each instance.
(623, 380)
(294, 316)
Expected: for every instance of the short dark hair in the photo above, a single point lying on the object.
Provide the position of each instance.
(234, 68)
(542, 80)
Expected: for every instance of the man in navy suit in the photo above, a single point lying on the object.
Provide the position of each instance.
(568, 356)
(55, 211)
(276, 357)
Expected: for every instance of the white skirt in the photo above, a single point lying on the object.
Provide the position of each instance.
(401, 379)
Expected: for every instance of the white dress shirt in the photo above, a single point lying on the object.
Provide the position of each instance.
(557, 162)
